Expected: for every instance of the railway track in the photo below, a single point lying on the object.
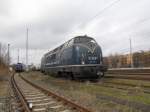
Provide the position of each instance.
(32, 98)
(129, 77)
(126, 84)
(122, 86)
(134, 74)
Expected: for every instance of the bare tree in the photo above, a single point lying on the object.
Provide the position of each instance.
(3, 55)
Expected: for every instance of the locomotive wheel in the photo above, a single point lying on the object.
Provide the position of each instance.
(102, 74)
(59, 74)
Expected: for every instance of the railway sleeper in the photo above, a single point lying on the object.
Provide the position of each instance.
(38, 100)
(43, 103)
(66, 110)
(34, 95)
(39, 110)
(56, 108)
(30, 91)
(48, 107)
(32, 98)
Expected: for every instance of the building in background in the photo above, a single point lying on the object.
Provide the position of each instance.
(140, 59)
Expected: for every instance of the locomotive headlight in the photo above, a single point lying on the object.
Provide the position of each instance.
(99, 73)
(83, 62)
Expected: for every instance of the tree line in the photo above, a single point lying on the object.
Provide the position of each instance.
(3, 55)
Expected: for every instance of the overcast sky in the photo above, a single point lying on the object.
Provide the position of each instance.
(52, 22)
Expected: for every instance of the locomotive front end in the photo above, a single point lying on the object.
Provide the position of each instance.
(88, 56)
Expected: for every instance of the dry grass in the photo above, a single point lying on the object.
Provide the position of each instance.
(4, 74)
(3, 88)
(3, 70)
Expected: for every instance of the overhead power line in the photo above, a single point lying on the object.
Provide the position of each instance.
(99, 13)
(27, 47)
(104, 9)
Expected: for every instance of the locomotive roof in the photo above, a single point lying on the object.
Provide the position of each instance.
(61, 46)
(84, 36)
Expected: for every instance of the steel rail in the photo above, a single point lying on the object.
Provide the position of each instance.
(20, 95)
(127, 77)
(64, 100)
(129, 73)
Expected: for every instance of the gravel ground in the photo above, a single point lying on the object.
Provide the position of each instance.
(88, 95)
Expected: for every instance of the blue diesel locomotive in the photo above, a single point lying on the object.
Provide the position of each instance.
(80, 57)
(19, 67)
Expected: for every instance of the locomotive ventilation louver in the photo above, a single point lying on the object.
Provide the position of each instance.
(91, 46)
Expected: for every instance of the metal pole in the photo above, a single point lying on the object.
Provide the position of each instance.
(27, 49)
(0, 50)
(18, 56)
(131, 55)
